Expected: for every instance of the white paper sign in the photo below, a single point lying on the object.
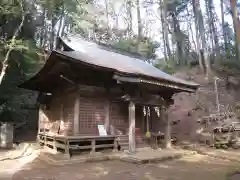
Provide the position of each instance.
(102, 131)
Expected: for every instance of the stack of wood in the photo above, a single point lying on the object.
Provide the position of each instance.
(227, 135)
(216, 117)
(223, 130)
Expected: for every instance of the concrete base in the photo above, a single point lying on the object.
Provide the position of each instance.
(148, 155)
(142, 156)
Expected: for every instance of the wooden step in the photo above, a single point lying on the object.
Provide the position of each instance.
(124, 144)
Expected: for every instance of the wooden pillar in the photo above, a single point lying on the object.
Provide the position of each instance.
(76, 118)
(115, 148)
(143, 120)
(54, 145)
(148, 116)
(132, 143)
(61, 118)
(61, 113)
(107, 107)
(167, 134)
(40, 118)
(93, 144)
(67, 150)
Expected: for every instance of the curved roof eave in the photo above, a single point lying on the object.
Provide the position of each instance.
(119, 64)
(45, 69)
(82, 47)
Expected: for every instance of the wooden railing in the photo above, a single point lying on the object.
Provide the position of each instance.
(70, 143)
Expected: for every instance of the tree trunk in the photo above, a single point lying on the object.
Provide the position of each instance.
(117, 22)
(163, 11)
(198, 46)
(179, 40)
(108, 18)
(60, 25)
(139, 25)
(163, 34)
(129, 13)
(209, 36)
(45, 39)
(191, 30)
(52, 34)
(200, 24)
(236, 24)
(215, 36)
(65, 26)
(43, 27)
(223, 27)
(211, 21)
(172, 45)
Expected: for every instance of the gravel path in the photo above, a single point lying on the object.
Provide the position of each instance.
(197, 167)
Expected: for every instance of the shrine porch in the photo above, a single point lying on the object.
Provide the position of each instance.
(77, 144)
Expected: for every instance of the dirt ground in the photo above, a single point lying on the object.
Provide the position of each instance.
(194, 167)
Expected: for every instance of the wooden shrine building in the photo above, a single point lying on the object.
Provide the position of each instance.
(91, 97)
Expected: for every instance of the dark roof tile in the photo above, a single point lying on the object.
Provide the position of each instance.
(95, 54)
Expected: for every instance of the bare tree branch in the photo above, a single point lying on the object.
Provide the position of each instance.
(12, 44)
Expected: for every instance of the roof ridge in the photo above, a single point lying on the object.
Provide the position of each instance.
(108, 47)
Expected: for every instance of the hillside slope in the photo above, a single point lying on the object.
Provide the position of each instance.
(189, 108)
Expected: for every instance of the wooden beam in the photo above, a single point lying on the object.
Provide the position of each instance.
(76, 118)
(149, 100)
(132, 143)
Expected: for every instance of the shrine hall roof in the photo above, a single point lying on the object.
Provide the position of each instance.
(81, 50)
